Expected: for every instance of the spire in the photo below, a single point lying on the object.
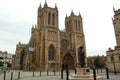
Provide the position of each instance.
(66, 15)
(79, 14)
(72, 13)
(45, 5)
(56, 6)
(32, 27)
(112, 18)
(40, 6)
(113, 9)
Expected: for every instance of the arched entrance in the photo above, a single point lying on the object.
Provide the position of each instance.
(22, 58)
(68, 59)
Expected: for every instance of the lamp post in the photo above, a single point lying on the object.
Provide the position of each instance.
(113, 60)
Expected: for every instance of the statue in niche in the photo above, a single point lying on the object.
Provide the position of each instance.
(81, 57)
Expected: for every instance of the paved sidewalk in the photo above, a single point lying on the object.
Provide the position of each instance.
(28, 75)
(112, 77)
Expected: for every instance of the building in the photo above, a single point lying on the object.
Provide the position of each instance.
(52, 47)
(6, 58)
(113, 56)
(90, 60)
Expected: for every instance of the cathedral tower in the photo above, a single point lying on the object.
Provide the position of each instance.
(47, 16)
(73, 23)
(116, 23)
(113, 55)
(47, 47)
(74, 29)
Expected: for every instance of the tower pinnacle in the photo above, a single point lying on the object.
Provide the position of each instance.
(40, 6)
(55, 6)
(45, 5)
(80, 15)
(114, 9)
(72, 13)
(45, 1)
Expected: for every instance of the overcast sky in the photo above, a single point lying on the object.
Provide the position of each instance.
(18, 16)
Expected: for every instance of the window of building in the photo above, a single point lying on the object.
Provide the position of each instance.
(1, 57)
(49, 18)
(76, 24)
(53, 19)
(112, 58)
(67, 24)
(64, 44)
(119, 58)
(70, 26)
(51, 54)
(79, 25)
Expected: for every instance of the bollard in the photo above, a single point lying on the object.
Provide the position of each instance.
(101, 70)
(94, 73)
(40, 72)
(75, 71)
(63, 66)
(67, 74)
(61, 73)
(47, 72)
(107, 73)
(54, 72)
(33, 73)
(11, 75)
(19, 75)
(4, 75)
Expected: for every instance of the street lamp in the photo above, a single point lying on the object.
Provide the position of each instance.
(113, 60)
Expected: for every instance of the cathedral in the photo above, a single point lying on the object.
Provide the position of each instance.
(113, 56)
(49, 47)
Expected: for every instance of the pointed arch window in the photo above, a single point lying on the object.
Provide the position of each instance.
(49, 18)
(76, 24)
(64, 44)
(53, 19)
(119, 58)
(51, 53)
(79, 25)
(22, 56)
(67, 28)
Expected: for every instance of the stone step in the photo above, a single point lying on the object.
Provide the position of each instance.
(81, 76)
(84, 77)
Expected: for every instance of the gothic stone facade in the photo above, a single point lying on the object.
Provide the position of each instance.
(52, 47)
(113, 56)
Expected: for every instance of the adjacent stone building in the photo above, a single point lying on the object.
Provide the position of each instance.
(90, 60)
(113, 56)
(52, 47)
(6, 58)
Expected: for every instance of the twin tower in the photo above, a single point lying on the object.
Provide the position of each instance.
(52, 47)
